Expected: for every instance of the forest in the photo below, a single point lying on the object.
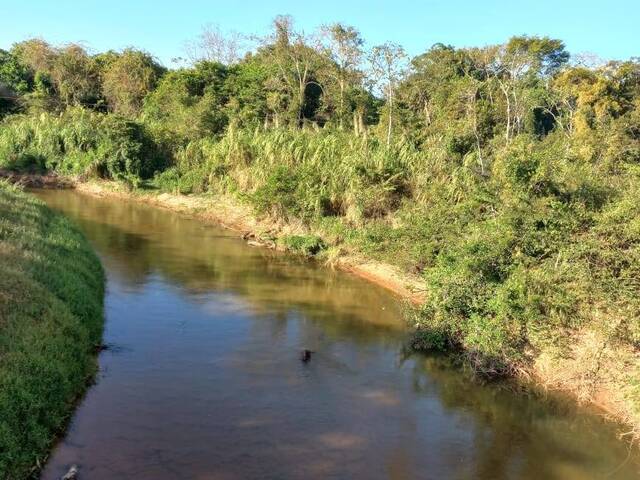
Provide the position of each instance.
(507, 176)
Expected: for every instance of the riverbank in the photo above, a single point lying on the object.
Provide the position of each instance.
(588, 366)
(210, 330)
(51, 300)
(267, 232)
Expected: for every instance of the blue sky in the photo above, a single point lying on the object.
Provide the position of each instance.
(607, 29)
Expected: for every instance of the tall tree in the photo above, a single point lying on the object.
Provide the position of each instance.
(127, 79)
(518, 63)
(214, 45)
(296, 57)
(36, 54)
(245, 87)
(14, 75)
(344, 46)
(75, 76)
(15, 80)
(431, 90)
(388, 67)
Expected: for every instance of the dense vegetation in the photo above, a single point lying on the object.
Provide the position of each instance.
(507, 175)
(51, 290)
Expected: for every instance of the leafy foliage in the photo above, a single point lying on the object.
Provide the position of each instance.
(79, 142)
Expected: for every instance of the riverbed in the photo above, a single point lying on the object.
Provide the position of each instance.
(202, 376)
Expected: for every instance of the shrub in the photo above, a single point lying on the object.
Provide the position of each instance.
(309, 245)
(79, 142)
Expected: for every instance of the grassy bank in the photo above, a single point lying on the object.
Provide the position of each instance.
(51, 297)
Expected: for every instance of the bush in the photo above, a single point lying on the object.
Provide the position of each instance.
(79, 142)
(308, 245)
(279, 194)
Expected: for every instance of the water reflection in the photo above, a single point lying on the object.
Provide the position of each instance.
(206, 381)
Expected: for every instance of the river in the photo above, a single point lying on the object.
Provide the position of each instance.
(202, 377)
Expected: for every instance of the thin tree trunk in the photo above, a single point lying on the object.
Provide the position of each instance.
(390, 113)
(508, 132)
(300, 106)
(341, 105)
(477, 135)
(427, 114)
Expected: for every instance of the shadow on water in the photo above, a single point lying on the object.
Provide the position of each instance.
(205, 379)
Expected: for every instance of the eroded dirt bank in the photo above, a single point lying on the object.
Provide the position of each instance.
(237, 217)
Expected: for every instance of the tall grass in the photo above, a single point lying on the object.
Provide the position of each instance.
(79, 142)
(303, 174)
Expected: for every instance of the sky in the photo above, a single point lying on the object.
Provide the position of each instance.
(608, 29)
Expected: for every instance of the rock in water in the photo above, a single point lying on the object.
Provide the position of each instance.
(72, 474)
(305, 356)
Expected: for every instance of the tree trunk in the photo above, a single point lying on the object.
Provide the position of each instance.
(508, 133)
(341, 105)
(507, 96)
(390, 125)
(427, 114)
(363, 127)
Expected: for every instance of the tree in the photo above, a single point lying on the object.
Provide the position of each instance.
(344, 47)
(586, 100)
(15, 80)
(431, 90)
(388, 67)
(296, 58)
(14, 75)
(245, 88)
(127, 79)
(35, 54)
(519, 63)
(213, 45)
(75, 76)
(189, 103)
(566, 96)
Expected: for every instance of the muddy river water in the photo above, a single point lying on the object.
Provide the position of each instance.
(202, 378)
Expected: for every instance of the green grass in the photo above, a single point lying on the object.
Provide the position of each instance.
(51, 318)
